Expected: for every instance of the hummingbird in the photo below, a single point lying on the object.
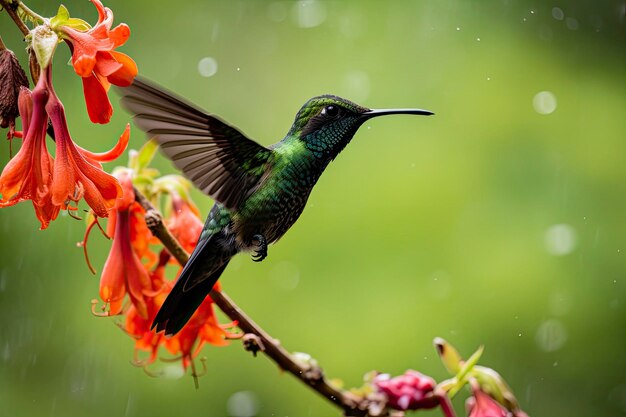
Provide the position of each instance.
(259, 192)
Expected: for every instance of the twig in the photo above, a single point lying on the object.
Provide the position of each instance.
(10, 7)
(309, 375)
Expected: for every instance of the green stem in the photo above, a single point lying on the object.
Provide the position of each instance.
(2, 45)
(34, 16)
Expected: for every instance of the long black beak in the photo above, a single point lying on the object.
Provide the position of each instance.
(383, 112)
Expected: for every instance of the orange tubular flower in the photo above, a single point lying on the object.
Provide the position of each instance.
(75, 176)
(28, 176)
(95, 60)
(123, 271)
(139, 327)
(202, 328)
(184, 224)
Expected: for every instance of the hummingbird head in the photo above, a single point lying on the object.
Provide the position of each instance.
(327, 123)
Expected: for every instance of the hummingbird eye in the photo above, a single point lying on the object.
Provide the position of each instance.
(330, 111)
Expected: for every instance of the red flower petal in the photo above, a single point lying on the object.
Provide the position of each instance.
(98, 105)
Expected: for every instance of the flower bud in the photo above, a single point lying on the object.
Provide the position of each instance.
(405, 392)
(44, 42)
(12, 78)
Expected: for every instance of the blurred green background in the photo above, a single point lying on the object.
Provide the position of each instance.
(499, 221)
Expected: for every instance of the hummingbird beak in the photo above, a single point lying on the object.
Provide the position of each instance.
(383, 112)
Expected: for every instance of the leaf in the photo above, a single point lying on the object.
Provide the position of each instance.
(146, 154)
(12, 78)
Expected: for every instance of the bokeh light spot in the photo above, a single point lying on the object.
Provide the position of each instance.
(207, 66)
(551, 335)
(544, 102)
(560, 239)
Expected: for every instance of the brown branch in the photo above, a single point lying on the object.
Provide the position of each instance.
(312, 376)
(11, 8)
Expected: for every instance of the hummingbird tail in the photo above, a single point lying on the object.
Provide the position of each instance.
(180, 305)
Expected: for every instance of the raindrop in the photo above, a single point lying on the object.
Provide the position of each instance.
(238, 69)
(309, 13)
(173, 371)
(243, 404)
(458, 28)
(532, 12)
(277, 11)
(544, 102)
(488, 78)
(571, 23)
(551, 335)
(207, 66)
(560, 239)
(439, 285)
(557, 13)
(478, 39)
(285, 275)
(357, 85)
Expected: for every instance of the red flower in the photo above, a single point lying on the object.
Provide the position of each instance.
(77, 172)
(482, 405)
(53, 184)
(28, 176)
(184, 224)
(95, 60)
(139, 327)
(202, 328)
(405, 392)
(123, 272)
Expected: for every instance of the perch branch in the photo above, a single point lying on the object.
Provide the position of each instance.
(311, 376)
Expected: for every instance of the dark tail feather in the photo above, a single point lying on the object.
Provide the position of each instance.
(180, 305)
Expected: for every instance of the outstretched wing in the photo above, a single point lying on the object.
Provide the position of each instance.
(220, 160)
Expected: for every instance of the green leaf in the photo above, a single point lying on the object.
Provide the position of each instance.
(63, 18)
(146, 154)
(449, 355)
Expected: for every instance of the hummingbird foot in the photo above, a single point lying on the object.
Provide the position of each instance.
(261, 253)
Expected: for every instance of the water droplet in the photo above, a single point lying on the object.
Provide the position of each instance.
(458, 28)
(207, 66)
(544, 102)
(560, 239)
(173, 371)
(557, 13)
(519, 335)
(478, 39)
(243, 404)
(571, 23)
(551, 335)
(532, 12)
(238, 69)
(309, 13)
(488, 78)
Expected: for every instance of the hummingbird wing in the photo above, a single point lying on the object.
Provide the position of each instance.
(219, 159)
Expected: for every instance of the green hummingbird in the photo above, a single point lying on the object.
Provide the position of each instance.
(259, 191)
